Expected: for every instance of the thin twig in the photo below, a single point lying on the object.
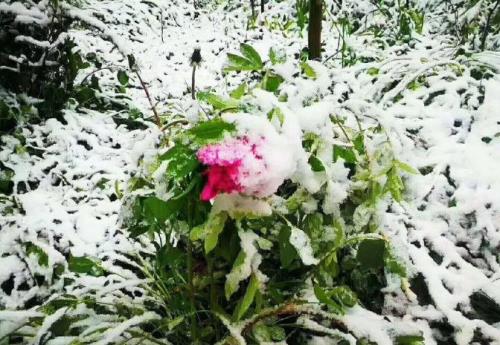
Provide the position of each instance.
(193, 80)
(150, 100)
(487, 25)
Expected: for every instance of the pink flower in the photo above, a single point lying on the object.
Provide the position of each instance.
(235, 165)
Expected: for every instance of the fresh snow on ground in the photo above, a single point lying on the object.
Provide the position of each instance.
(448, 233)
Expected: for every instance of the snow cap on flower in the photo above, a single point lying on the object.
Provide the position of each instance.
(254, 163)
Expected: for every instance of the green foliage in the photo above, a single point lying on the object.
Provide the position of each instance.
(208, 131)
(249, 61)
(181, 161)
(218, 102)
(370, 254)
(48, 85)
(84, 265)
(410, 340)
(276, 56)
(239, 264)
(32, 249)
(337, 299)
(302, 9)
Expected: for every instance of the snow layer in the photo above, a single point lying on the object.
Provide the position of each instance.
(448, 128)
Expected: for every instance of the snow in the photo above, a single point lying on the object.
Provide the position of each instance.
(113, 334)
(454, 212)
(302, 244)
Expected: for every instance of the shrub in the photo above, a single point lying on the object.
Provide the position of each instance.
(38, 61)
(264, 219)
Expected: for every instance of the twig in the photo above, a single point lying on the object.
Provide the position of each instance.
(94, 72)
(193, 80)
(146, 91)
(487, 25)
(162, 25)
(291, 309)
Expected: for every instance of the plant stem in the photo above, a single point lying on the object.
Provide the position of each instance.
(252, 4)
(150, 100)
(194, 326)
(292, 309)
(213, 291)
(162, 26)
(193, 82)
(487, 25)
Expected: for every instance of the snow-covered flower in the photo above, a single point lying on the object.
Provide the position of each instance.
(239, 165)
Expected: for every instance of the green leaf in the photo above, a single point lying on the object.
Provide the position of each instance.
(212, 130)
(210, 231)
(308, 70)
(394, 184)
(418, 19)
(276, 112)
(363, 214)
(329, 267)
(344, 152)
(84, 265)
(337, 298)
(370, 254)
(359, 143)
(122, 77)
(287, 252)
(182, 161)
(276, 57)
(251, 54)
(247, 299)
(217, 102)
(66, 301)
(277, 333)
(302, 244)
(175, 322)
(214, 229)
(324, 298)
(406, 168)
(232, 282)
(344, 296)
(316, 164)
(267, 333)
(239, 91)
(373, 71)
(169, 256)
(410, 340)
(271, 82)
(157, 211)
(392, 264)
(238, 63)
(43, 258)
(6, 183)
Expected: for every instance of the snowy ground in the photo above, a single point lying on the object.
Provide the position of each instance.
(449, 234)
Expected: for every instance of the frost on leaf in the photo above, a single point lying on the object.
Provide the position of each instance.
(239, 206)
(246, 263)
(302, 243)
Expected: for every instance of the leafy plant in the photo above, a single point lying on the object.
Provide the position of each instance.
(239, 267)
(302, 9)
(250, 60)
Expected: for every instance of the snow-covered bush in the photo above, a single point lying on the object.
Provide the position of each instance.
(37, 60)
(39, 63)
(264, 212)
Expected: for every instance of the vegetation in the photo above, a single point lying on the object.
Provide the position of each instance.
(247, 224)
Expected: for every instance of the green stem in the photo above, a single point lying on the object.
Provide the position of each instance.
(213, 291)
(194, 326)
